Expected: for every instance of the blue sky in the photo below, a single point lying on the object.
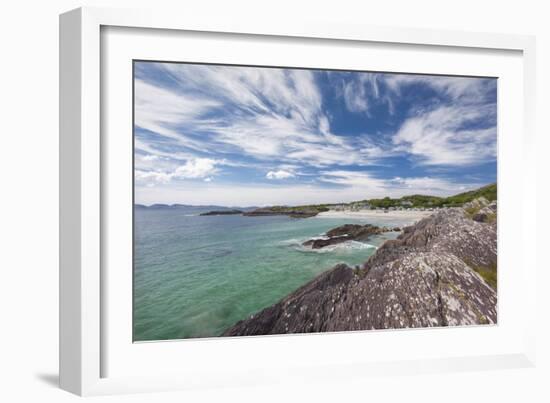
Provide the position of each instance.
(239, 136)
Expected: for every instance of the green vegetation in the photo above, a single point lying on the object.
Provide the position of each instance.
(406, 201)
(306, 208)
(282, 209)
(472, 211)
(412, 201)
(491, 218)
(423, 201)
(489, 192)
(291, 211)
(488, 273)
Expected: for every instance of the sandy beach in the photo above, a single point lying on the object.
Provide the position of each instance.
(408, 216)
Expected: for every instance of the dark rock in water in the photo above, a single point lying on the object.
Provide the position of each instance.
(424, 278)
(397, 229)
(302, 214)
(355, 231)
(222, 212)
(321, 243)
(344, 233)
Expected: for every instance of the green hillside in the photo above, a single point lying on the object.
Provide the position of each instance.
(412, 201)
(424, 201)
(489, 192)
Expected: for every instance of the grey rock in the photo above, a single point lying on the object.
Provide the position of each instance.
(478, 203)
(485, 214)
(344, 233)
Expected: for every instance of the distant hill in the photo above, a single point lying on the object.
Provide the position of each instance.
(411, 201)
(190, 208)
(489, 192)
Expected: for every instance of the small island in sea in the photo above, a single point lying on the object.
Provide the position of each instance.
(280, 201)
(222, 212)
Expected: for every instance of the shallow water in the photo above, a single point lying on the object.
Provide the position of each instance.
(195, 276)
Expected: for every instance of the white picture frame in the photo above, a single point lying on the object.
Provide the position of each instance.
(84, 345)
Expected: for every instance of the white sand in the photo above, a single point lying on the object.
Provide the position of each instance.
(401, 215)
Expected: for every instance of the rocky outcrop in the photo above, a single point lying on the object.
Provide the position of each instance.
(426, 277)
(345, 233)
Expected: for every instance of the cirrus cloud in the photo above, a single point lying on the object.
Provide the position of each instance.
(357, 133)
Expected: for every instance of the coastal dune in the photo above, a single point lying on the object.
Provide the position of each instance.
(440, 271)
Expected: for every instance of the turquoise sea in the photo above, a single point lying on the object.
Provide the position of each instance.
(195, 276)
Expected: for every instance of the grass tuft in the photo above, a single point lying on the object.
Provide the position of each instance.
(488, 273)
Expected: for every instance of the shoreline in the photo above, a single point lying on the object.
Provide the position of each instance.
(444, 278)
(413, 216)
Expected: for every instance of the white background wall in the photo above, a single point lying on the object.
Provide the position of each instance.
(29, 187)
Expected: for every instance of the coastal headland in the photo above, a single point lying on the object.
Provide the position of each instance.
(440, 271)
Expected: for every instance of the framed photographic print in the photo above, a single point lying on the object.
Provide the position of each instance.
(234, 200)
(327, 155)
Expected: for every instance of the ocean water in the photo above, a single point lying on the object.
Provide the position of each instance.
(195, 276)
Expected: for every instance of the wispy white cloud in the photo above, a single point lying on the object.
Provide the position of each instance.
(161, 110)
(207, 120)
(360, 91)
(348, 186)
(373, 186)
(442, 136)
(198, 168)
(150, 178)
(265, 114)
(352, 178)
(459, 89)
(447, 132)
(280, 174)
(429, 186)
(355, 96)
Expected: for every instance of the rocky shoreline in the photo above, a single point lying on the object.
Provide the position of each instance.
(439, 272)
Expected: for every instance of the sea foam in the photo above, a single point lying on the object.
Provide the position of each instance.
(297, 244)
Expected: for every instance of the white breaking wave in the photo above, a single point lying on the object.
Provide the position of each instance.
(290, 242)
(340, 247)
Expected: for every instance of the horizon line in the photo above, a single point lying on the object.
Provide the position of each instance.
(305, 204)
